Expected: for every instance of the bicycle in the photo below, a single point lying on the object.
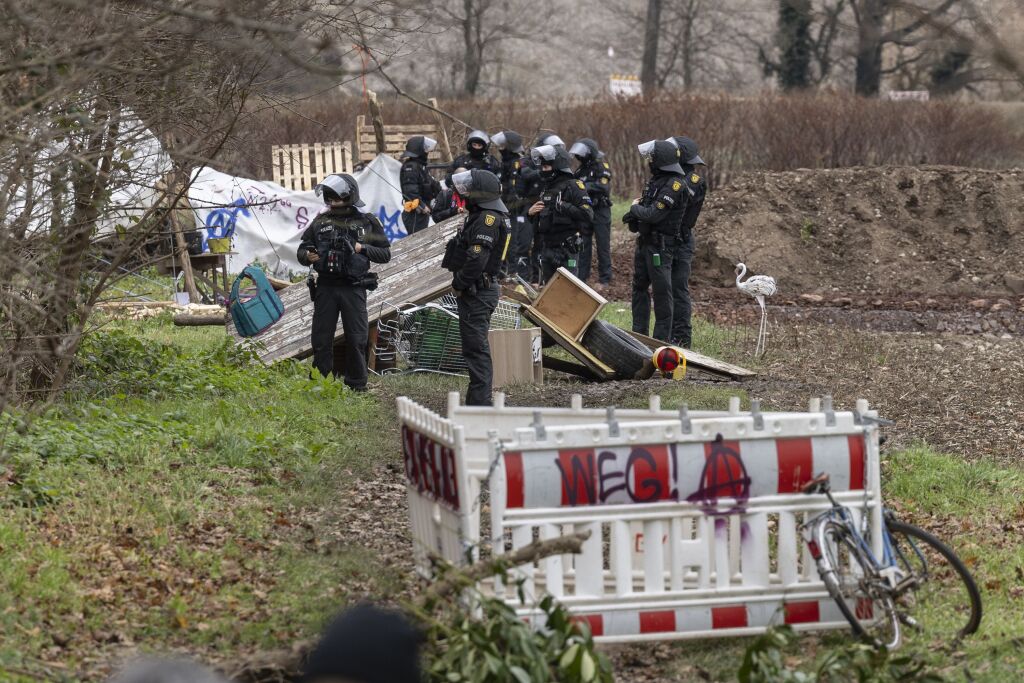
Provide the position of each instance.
(912, 585)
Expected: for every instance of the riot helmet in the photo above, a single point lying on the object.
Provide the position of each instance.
(481, 188)
(418, 146)
(585, 150)
(547, 137)
(688, 153)
(556, 157)
(339, 188)
(660, 155)
(481, 141)
(509, 141)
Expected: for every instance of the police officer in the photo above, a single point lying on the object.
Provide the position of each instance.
(340, 244)
(418, 188)
(474, 256)
(526, 246)
(695, 172)
(562, 212)
(596, 175)
(448, 203)
(476, 154)
(656, 217)
(510, 146)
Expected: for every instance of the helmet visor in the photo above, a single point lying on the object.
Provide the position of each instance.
(335, 183)
(479, 136)
(553, 140)
(580, 150)
(646, 149)
(429, 144)
(463, 182)
(544, 154)
(500, 140)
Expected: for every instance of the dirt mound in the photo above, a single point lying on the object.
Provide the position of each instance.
(933, 229)
(878, 230)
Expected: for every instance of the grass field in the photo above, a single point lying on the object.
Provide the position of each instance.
(181, 499)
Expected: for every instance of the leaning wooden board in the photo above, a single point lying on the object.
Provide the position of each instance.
(413, 275)
(701, 362)
(577, 350)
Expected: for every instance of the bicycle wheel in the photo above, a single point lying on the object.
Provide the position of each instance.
(861, 594)
(938, 592)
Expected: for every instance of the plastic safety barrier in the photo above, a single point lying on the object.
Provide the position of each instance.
(719, 490)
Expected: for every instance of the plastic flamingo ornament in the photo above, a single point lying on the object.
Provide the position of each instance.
(759, 287)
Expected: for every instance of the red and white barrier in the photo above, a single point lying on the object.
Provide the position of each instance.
(718, 490)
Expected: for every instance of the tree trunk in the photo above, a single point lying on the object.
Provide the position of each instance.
(472, 55)
(649, 66)
(869, 47)
(794, 40)
(689, 49)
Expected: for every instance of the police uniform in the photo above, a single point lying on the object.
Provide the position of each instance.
(525, 249)
(566, 213)
(682, 258)
(596, 176)
(342, 279)
(482, 161)
(656, 219)
(418, 187)
(474, 257)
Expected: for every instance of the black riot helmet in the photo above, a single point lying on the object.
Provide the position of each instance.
(547, 137)
(418, 146)
(557, 157)
(585, 150)
(479, 137)
(339, 187)
(509, 141)
(661, 155)
(481, 188)
(688, 153)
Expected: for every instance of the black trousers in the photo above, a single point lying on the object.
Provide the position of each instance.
(522, 246)
(414, 221)
(553, 258)
(657, 279)
(475, 311)
(349, 303)
(682, 260)
(602, 236)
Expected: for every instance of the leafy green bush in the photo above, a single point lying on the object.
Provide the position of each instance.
(853, 662)
(491, 644)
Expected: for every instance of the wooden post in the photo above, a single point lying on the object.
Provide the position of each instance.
(378, 122)
(186, 263)
(446, 147)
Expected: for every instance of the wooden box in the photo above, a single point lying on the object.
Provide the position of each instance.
(516, 356)
(568, 303)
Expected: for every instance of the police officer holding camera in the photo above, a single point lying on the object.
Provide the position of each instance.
(474, 257)
(656, 217)
(340, 244)
(562, 212)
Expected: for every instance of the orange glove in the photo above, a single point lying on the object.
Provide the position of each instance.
(411, 205)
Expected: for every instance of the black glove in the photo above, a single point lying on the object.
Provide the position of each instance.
(628, 219)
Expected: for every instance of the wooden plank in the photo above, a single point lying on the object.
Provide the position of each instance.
(570, 345)
(413, 275)
(699, 361)
(569, 303)
(559, 365)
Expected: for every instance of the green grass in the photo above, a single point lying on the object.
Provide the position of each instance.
(198, 519)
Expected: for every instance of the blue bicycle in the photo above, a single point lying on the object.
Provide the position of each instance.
(919, 582)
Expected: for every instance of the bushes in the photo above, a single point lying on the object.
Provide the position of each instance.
(774, 132)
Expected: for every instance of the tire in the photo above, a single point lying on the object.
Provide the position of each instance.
(615, 348)
(861, 594)
(939, 594)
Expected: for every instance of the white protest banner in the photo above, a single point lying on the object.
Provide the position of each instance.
(266, 220)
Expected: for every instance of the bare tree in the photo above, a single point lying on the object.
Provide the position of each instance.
(652, 33)
(106, 106)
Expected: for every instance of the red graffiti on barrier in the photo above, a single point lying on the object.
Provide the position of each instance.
(430, 467)
(646, 475)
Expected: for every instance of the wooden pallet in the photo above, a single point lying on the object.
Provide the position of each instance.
(395, 137)
(301, 167)
(413, 275)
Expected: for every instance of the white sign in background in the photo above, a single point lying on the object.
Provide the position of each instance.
(269, 219)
